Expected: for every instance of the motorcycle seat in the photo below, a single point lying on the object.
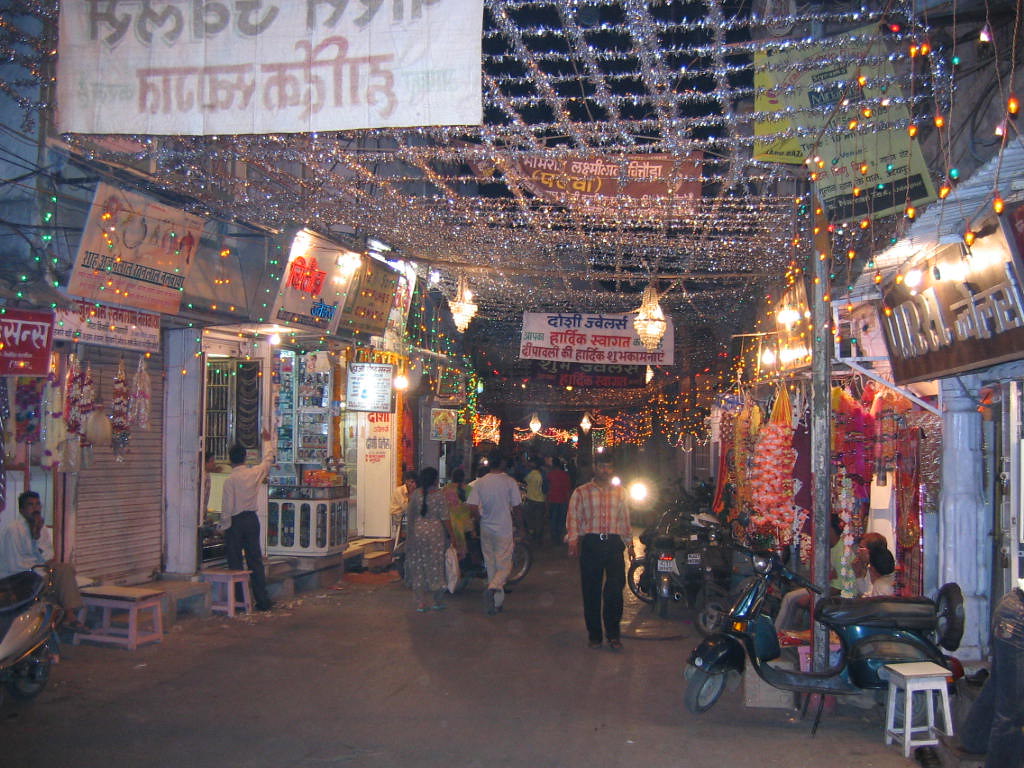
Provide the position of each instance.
(888, 612)
(19, 589)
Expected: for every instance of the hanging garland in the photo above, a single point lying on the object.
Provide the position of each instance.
(771, 480)
(140, 397)
(119, 421)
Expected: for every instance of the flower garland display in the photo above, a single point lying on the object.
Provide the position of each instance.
(771, 481)
(140, 397)
(119, 421)
(844, 503)
(54, 429)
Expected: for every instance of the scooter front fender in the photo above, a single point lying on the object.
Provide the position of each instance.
(718, 653)
(29, 630)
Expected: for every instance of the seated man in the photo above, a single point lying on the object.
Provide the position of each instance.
(25, 542)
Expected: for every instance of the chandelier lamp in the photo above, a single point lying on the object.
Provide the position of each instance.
(649, 322)
(586, 423)
(535, 424)
(462, 307)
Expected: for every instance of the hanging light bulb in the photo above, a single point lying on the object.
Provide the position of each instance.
(586, 423)
(986, 34)
(462, 307)
(535, 424)
(649, 322)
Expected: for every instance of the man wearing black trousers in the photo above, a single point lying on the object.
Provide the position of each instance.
(598, 531)
(238, 518)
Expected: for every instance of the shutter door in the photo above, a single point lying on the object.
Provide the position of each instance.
(119, 516)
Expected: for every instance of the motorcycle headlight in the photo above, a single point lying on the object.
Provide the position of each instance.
(761, 564)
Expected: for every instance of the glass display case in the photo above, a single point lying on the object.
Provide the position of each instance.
(307, 520)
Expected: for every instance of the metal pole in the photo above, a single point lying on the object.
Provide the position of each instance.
(821, 419)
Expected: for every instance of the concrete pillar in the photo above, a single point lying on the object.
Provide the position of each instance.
(965, 545)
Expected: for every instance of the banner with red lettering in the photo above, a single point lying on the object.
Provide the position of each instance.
(207, 67)
(135, 251)
(592, 375)
(315, 283)
(578, 338)
(26, 339)
(612, 183)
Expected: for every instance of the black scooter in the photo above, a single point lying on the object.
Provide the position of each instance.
(872, 632)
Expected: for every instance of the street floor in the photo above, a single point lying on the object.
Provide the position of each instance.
(354, 676)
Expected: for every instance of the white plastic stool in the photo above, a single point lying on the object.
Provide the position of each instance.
(229, 604)
(910, 678)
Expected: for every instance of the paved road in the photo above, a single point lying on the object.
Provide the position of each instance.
(355, 677)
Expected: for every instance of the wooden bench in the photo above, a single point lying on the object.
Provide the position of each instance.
(143, 623)
(227, 579)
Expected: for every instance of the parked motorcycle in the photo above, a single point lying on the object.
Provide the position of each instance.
(872, 632)
(28, 634)
(666, 573)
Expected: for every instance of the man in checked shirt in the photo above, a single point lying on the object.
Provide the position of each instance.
(598, 531)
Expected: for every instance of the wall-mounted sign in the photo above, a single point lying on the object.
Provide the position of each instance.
(135, 251)
(444, 424)
(93, 323)
(369, 387)
(573, 337)
(267, 66)
(370, 297)
(594, 375)
(315, 283)
(26, 339)
(955, 310)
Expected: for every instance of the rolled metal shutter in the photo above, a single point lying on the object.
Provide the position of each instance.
(119, 511)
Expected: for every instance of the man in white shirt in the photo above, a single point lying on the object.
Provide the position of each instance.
(238, 519)
(494, 497)
(399, 501)
(26, 542)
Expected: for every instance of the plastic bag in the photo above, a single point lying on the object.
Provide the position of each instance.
(452, 573)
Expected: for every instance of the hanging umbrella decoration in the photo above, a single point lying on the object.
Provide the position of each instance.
(119, 417)
(140, 397)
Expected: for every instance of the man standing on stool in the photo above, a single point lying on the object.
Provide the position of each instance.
(598, 531)
(238, 519)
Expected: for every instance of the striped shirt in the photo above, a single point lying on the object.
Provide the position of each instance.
(597, 508)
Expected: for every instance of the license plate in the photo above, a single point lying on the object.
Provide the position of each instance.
(667, 566)
(693, 558)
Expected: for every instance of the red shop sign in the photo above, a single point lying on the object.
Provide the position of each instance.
(25, 341)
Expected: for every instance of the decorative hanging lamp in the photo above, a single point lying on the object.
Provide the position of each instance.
(586, 423)
(649, 322)
(462, 307)
(535, 424)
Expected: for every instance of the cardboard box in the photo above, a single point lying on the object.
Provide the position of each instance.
(757, 693)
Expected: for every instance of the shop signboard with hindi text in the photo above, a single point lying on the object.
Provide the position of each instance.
(135, 251)
(369, 299)
(26, 338)
(369, 387)
(91, 322)
(961, 310)
(593, 375)
(315, 283)
(217, 67)
(574, 337)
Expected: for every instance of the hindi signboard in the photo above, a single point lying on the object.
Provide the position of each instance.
(134, 251)
(370, 297)
(217, 67)
(593, 375)
(369, 387)
(580, 338)
(814, 94)
(26, 338)
(315, 283)
(93, 323)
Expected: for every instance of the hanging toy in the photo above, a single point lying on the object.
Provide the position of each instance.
(119, 423)
(139, 400)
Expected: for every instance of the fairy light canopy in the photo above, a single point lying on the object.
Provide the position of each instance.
(570, 82)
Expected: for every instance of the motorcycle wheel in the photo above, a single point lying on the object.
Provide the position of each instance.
(29, 679)
(640, 582)
(522, 559)
(703, 691)
(949, 628)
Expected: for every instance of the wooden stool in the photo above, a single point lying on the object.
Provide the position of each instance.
(138, 602)
(229, 604)
(916, 676)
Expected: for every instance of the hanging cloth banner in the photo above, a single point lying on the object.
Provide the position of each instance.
(217, 67)
(577, 338)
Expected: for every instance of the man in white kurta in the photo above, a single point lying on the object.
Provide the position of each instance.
(494, 497)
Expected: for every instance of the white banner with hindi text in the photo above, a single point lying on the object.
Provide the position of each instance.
(573, 337)
(205, 67)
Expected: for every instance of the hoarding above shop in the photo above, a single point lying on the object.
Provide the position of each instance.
(218, 67)
(26, 338)
(574, 337)
(315, 283)
(90, 322)
(135, 251)
(955, 309)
